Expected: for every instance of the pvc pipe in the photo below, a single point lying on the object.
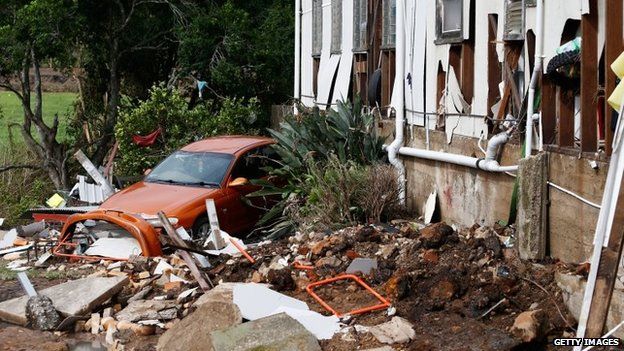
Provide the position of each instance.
(539, 40)
(400, 104)
(297, 88)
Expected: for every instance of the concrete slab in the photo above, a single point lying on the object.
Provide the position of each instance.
(279, 332)
(76, 297)
(148, 309)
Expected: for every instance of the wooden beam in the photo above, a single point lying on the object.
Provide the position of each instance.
(203, 281)
(512, 54)
(565, 111)
(589, 78)
(607, 273)
(549, 109)
(467, 70)
(614, 45)
(494, 68)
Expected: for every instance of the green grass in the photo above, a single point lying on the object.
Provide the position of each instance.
(53, 103)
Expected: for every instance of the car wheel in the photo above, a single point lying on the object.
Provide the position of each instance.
(201, 229)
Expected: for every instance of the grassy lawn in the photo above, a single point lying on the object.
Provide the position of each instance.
(11, 112)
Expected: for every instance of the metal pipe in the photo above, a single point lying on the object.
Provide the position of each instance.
(579, 197)
(537, 69)
(400, 103)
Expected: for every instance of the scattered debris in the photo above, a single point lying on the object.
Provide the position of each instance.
(529, 326)
(362, 265)
(397, 330)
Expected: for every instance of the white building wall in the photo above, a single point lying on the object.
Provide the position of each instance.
(423, 56)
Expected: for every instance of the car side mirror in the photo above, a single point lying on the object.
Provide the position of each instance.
(240, 181)
(147, 171)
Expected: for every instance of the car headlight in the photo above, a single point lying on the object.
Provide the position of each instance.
(154, 221)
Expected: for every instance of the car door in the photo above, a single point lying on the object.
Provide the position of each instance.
(243, 212)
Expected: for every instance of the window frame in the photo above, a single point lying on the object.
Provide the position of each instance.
(448, 37)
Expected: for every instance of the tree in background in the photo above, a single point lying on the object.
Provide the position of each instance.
(32, 32)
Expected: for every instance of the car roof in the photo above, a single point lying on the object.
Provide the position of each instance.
(230, 144)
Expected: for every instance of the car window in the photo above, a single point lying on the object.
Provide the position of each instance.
(253, 163)
(192, 168)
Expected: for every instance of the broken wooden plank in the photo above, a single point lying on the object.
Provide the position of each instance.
(565, 107)
(203, 281)
(589, 78)
(217, 238)
(93, 172)
(614, 45)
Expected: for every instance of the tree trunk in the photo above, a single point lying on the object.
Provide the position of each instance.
(114, 96)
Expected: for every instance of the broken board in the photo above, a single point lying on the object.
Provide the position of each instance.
(73, 298)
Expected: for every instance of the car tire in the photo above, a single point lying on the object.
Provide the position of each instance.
(201, 228)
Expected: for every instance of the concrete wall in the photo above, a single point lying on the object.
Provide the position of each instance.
(467, 196)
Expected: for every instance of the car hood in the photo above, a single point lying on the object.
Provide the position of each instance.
(150, 198)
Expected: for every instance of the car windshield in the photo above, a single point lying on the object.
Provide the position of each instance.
(192, 168)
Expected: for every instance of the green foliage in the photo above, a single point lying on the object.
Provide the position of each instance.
(180, 125)
(341, 140)
(241, 48)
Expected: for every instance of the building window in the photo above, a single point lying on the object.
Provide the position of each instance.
(449, 21)
(388, 33)
(336, 41)
(360, 14)
(317, 27)
(514, 20)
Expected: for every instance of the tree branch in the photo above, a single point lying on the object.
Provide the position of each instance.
(26, 166)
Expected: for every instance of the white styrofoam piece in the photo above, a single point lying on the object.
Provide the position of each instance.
(257, 301)
(175, 278)
(161, 267)
(121, 248)
(8, 239)
(229, 249)
(430, 206)
(322, 327)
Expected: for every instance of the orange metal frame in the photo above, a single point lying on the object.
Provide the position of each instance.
(383, 305)
(145, 234)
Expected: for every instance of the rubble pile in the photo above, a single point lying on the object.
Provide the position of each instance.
(444, 288)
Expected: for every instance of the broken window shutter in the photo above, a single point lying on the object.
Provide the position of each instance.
(336, 41)
(389, 24)
(514, 20)
(360, 14)
(317, 27)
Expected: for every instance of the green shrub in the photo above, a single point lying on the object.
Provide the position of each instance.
(180, 125)
(322, 159)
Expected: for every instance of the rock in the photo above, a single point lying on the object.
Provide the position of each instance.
(143, 330)
(331, 262)
(385, 348)
(352, 255)
(321, 247)
(148, 309)
(362, 265)
(492, 243)
(398, 286)
(484, 233)
(443, 290)
(144, 275)
(368, 233)
(221, 293)
(386, 251)
(276, 332)
(431, 256)
(12, 256)
(193, 332)
(256, 277)
(397, 330)
(177, 285)
(108, 322)
(435, 235)
(529, 326)
(124, 325)
(41, 314)
(95, 323)
(281, 279)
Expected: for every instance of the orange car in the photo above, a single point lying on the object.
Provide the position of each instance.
(217, 168)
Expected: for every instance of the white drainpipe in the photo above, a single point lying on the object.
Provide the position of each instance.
(488, 163)
(393, 149)
(537, 70)
(297, 89)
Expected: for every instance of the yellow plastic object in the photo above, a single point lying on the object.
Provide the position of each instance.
(618, 66)
(56, 201)
(616, 97)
